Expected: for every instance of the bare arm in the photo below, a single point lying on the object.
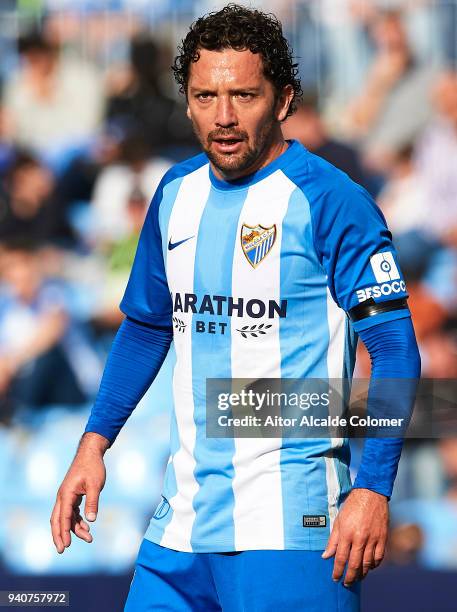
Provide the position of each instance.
(365, 109)
(51, 328)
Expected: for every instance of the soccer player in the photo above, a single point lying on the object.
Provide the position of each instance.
(254, 233)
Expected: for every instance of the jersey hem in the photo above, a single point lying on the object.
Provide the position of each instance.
(175, 542)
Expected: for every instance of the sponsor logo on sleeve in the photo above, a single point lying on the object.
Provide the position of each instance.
(386, 274)
(384, 267)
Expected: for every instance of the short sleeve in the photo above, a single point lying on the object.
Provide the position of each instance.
(147, 297)
(357, 252)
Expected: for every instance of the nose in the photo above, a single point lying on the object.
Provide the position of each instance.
(225, 113)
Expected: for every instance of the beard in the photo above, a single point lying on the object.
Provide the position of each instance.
(235, 165)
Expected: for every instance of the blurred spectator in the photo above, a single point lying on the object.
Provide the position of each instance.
(402, 199)
(437, 162)
(123, 251)
(52, 102)
(139, 96)
(116, 182)
(30, 207)
(6, 150)
(105, 33)
(429, 527)
(34, 366)
(405, 543)
(394, 105)
(419, 200)
(439, 355)
(447, 14)
(429, 266)
(120, 260)
(348, 48)
(76, 182)
(307, 126)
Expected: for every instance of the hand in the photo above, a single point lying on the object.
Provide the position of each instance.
(86, 476)
(359, 535)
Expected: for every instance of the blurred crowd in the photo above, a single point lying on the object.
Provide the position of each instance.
(89, 122)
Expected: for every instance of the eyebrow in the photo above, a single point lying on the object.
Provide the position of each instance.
(235, 90)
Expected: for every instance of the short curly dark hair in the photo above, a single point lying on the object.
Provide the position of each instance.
(240, 28)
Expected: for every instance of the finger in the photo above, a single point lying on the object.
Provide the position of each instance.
(379, 552)
(80, 520)
(341, 557)
(78, 530)
(84, 525)
(68, 503)
(332, 543)
(55, 528)
(91, 507)
(354, 568)
(368, 559)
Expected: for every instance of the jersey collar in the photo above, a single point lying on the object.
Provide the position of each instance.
(250, 179)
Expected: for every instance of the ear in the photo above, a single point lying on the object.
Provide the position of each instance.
(284, 102)
(188, 113)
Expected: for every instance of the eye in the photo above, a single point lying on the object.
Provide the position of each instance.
(244, 95)
(204, 97)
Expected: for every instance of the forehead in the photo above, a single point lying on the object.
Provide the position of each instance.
(226, 67)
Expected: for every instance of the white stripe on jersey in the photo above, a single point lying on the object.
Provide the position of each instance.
(257, 479)
(193, 193)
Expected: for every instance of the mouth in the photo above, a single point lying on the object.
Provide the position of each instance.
(227, 145)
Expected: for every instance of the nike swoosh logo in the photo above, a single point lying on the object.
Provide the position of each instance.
(173, 245)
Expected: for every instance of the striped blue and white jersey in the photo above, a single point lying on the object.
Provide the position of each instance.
(293, 246)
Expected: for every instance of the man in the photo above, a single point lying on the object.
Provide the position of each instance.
(52, 101)
(35, 362)
(234, 529)
(394, 105)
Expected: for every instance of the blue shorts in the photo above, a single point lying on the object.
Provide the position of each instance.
(249, 581)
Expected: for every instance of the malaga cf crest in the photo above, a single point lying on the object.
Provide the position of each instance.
(257, 242)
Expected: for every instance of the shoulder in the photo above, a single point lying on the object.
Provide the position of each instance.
(340, 209)
(167, 186)
(181, 169)
(328, 190)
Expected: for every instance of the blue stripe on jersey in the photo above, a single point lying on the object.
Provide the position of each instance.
(303, 472)
(306, 322)
(312, 183)
(214, 472)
